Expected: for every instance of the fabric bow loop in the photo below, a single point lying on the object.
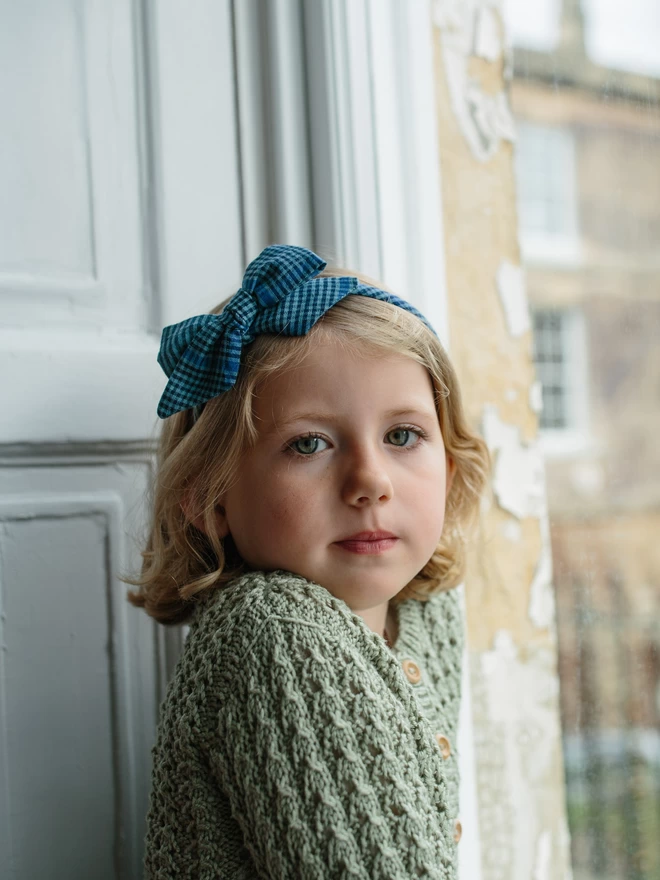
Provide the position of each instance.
(201, 356)
(278, 270)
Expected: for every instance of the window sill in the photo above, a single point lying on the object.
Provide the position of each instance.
(559, 252)
(565, 443)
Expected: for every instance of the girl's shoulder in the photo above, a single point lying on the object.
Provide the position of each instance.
(238, 612)
(432, 626)
(260, 614)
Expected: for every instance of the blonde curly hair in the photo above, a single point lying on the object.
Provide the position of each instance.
(197, 459)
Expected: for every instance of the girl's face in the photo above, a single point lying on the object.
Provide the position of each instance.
(347, 444)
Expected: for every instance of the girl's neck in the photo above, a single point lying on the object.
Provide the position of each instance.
(391, 629)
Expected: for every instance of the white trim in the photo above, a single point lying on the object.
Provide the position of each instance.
(555, 251)
(272, 109)
(89, 386)
(76, 289)
(539, 246)
(375, 166)
(576, 438)
(250, 87)
(565, 444)
(346, 205)
(289, 153)
(469, 850)
(426, 250)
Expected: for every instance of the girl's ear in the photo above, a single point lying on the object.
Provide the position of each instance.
(451, 473)
(193, 515)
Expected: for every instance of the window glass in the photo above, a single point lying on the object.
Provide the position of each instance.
(546, 190)
(585, 92)
(551, 355)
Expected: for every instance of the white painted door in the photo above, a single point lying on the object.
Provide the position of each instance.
(119, 212)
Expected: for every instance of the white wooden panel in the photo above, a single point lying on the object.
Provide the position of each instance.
(196, 151)
(70, 224)
(79, 684)
(48, 230)
(156, 109)
(57, 695)
(69, 386)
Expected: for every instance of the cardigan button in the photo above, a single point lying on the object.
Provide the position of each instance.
(412, 671)
(445, 745)
(458, 831)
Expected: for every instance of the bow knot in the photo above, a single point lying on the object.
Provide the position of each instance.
(243, 308)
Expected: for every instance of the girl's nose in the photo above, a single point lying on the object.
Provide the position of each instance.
(366, 481)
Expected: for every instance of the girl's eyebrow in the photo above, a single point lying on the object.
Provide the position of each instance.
(331, 419)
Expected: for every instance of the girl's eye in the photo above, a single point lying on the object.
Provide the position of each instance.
(401, 435)
(306, 445)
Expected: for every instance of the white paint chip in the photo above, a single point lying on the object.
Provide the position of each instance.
(470, 27)
(541, 609)
(543, 855)
(536, 397)
(522, 718)
(519, 474)
(512, 531)
(511, 288)
(487, 42)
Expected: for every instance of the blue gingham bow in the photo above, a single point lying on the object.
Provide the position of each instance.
(280, 293)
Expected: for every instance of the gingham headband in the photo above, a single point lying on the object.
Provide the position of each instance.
(280, 293)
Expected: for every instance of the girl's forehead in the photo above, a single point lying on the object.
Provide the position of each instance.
(331, 365)
(329, 389)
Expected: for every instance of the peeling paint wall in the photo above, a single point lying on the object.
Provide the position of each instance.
(510, 599)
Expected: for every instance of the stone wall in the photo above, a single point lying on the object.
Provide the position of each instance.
(510, 603)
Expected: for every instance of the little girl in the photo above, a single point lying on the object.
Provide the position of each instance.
(315, 476)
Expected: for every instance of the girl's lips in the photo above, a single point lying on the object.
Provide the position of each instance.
(373, 547)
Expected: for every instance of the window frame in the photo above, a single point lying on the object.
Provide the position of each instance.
(544, 247)
(576, 437)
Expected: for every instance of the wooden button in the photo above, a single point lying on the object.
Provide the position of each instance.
(458, 831)
(445, 745)
(412, 671)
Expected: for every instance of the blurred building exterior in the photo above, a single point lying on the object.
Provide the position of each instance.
(588, 183)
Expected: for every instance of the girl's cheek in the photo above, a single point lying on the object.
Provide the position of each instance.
(290, 503)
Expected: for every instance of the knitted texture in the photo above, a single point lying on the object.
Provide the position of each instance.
(293, 743)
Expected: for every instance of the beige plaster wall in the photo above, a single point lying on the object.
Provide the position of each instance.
(511, 632)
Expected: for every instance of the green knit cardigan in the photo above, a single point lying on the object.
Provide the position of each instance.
(293, 743)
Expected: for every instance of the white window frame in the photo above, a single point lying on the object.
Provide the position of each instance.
(576, 437)
(543, 247)
(378, 199)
